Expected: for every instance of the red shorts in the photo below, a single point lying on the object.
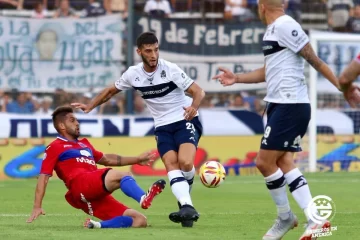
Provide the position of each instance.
(87, 192)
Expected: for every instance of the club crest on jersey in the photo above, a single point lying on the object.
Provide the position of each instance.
(163, 74)
(85, 153)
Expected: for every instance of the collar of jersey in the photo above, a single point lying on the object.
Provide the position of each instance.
(65, 139)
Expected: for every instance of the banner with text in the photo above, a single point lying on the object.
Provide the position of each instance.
(215, 122)
(22, 158)
(74, 54)
(201, 48)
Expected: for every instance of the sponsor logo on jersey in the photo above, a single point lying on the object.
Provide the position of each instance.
(150, 79)
(137, 79)
(294, 33)
(85, 153)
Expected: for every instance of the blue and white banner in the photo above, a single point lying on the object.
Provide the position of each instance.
(74, 54)
(216, 122)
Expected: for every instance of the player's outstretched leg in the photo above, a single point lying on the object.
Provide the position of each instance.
(275, 182)
(131, 218)
(300, 190)
(115, 180)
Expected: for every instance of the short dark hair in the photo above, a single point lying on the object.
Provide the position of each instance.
(59, 115)
(146, 38)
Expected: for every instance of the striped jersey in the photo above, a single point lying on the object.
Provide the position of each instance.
(162, 90)
(284, 67)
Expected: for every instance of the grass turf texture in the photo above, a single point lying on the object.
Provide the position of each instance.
(241, 208)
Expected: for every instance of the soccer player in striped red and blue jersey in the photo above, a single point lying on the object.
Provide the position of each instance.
(89, 188)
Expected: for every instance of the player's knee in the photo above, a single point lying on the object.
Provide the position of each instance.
(139, 221)
(261, 164)
(170, 161)
(186, 164)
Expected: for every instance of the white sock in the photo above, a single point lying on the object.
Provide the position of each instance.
(96, 224)
(179, 187)
(299, 189)
(277, 187)
(189, 176)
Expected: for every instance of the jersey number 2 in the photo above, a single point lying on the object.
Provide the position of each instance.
(190, 127)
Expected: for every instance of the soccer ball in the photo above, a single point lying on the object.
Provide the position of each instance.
(212, 174)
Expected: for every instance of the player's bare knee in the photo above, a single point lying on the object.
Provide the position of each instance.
(186, 165)
(170, 161)
(261, 164)
(139, 221)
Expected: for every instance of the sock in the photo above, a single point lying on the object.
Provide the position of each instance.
(179, 187)
(117, 222)
(299, 189)
(129, 186)
(189, 177)
(276, 185)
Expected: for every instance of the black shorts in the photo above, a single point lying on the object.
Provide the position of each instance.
(286, 126)
(170, 137)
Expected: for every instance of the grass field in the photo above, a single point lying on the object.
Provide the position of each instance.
(240, 209)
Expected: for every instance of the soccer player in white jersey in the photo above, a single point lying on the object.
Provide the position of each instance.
(285, 45)
(177, 127)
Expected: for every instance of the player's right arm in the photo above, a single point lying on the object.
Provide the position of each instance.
(228, 78)
(101, 98)
(121, 84)
(47, 168)
(350, 73)
(350, 90)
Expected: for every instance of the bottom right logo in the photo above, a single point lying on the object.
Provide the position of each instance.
(321, 209)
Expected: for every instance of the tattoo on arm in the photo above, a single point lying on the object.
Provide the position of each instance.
(118, 160)
(309, 55)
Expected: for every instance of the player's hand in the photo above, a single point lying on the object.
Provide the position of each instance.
(35, 214)
(226, 78)
(189, 113)
(352, 95)
(85, 108)
(146, 158)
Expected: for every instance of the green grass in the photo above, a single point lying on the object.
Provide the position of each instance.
(240, 209)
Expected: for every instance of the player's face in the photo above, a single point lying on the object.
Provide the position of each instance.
(149, 54)
(72, 126)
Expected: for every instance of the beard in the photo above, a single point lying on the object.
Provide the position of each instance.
(74, 133)
(146, 62)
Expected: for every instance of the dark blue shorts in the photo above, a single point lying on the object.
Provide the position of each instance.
(286, 125)
(170, 137)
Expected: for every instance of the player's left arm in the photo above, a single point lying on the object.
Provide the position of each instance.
(197, 95)
(117, 160)
(309, 55)
(185, 83)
